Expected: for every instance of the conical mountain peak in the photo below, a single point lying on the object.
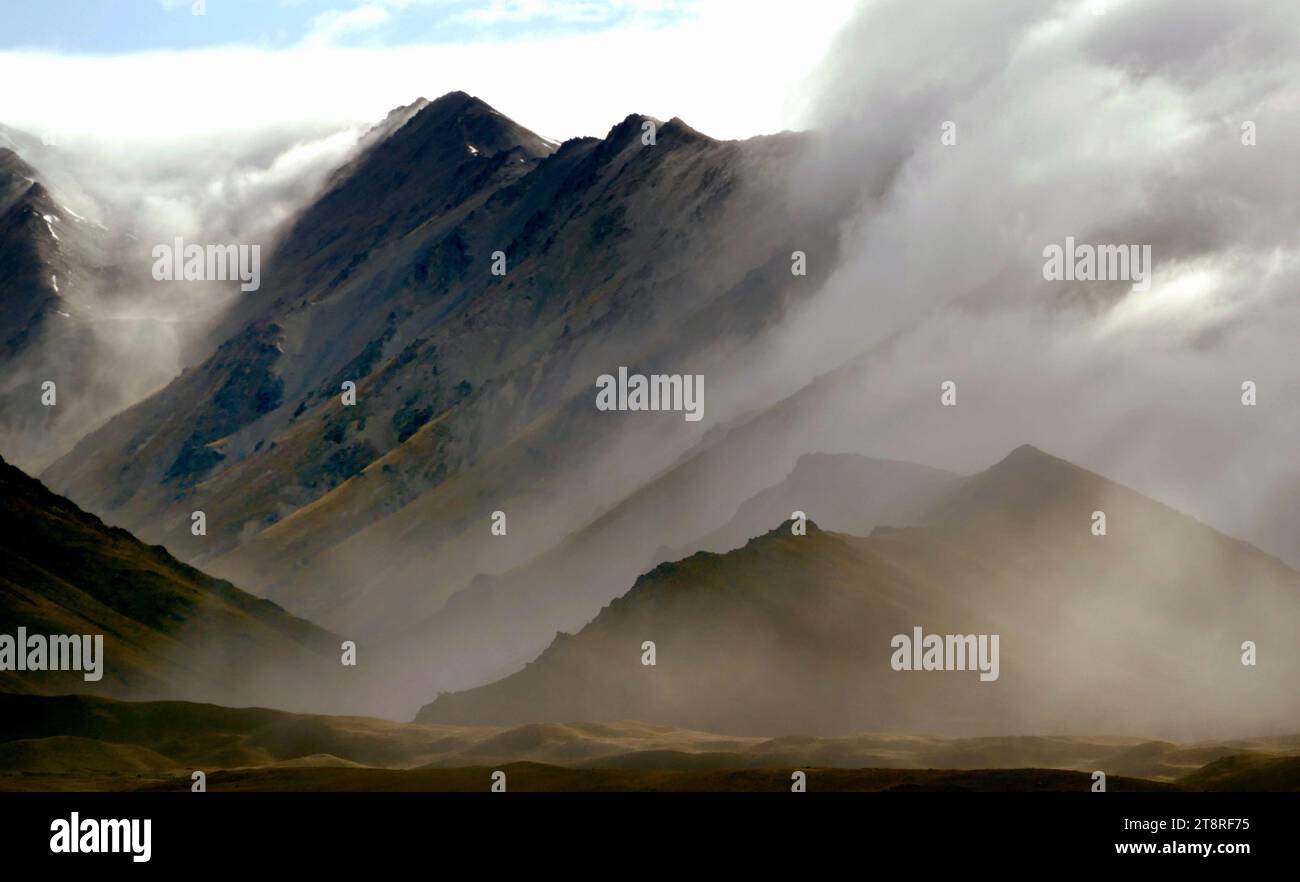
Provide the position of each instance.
(468, 124)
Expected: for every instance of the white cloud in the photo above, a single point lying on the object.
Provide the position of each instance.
(329, 26)
(731, 69)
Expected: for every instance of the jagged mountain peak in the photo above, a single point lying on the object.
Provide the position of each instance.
(462, 121)
(1025, 484)
(18, 181)
(786, 528)
(1028, 466)
(631, 123)
(1034, 491)
(454, 98)
(1027, 454)
(415, 106)
(678, 128)
(629, 131)
(37, 196)
(13, 164)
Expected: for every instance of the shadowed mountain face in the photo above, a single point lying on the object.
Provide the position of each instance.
(51, 261)
(474, 390)
(1136, 631)
(28, 292)
(168, 629)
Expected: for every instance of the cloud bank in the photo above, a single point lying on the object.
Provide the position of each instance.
(1129, 126)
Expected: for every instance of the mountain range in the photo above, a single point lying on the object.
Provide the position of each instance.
(473, 389)
(471, 280)
(1139, 630)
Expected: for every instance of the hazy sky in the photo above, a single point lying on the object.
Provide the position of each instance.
(151, 68)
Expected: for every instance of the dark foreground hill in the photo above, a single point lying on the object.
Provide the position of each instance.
(168, 629)
(83, 743)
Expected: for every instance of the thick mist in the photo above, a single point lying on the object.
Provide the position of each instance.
(119, 334)
(1123, 127)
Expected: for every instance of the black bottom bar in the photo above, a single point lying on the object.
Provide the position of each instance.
(611, 833)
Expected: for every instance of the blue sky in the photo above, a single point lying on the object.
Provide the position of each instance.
(126, 26)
